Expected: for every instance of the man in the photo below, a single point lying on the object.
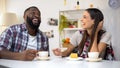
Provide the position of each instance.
(23, 41)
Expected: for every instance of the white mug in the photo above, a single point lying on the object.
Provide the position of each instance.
(93, 55)
(42, 53)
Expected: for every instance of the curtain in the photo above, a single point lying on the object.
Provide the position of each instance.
(2, 6)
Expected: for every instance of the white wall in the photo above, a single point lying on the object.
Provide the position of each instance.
(51, 8)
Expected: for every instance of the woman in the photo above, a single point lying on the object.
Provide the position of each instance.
(91, 39)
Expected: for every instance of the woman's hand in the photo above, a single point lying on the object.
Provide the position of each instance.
(99, 27)
(57, 52)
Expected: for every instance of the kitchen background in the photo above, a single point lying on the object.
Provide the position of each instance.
(50, 9)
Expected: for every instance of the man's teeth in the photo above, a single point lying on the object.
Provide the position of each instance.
(35, 19)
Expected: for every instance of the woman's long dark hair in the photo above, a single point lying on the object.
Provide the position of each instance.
(97, 16)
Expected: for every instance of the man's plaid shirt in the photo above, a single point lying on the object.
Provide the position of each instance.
(15, 39)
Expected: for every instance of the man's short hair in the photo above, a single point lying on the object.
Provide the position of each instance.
(30, 8)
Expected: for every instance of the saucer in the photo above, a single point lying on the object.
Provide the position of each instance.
(74, 59)
(93, 60)
(42, 58)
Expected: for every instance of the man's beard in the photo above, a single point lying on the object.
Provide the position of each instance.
(31, 24)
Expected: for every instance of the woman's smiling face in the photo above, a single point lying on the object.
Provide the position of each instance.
(87, 22)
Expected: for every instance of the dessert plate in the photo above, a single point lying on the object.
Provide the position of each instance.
(93, 60)
(75, 59)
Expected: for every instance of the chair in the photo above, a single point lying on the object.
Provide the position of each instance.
(109, 53)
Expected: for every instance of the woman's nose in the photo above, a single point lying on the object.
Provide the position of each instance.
(81, 19)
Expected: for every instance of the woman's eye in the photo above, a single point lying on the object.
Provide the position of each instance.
(84, 16)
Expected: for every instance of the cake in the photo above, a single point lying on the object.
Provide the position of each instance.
(73, 55)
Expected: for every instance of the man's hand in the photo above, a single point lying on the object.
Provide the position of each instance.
(28, 55)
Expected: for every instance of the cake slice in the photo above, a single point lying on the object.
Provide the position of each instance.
(73, 55)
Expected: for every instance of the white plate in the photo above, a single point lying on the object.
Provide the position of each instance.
(79, 58)
(93, 60)
(42, 58)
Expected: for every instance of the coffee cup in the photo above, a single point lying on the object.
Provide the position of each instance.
(93, 55)
(42, 53)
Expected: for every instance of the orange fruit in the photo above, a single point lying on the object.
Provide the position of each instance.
(67, 40)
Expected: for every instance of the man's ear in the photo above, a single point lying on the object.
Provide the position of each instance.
(24, 16)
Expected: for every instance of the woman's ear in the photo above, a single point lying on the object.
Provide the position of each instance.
(102, 21)
(93, 21)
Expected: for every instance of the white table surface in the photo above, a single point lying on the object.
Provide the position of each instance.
(59, 63)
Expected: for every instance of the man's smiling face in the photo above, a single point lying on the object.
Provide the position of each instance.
(33, 18)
